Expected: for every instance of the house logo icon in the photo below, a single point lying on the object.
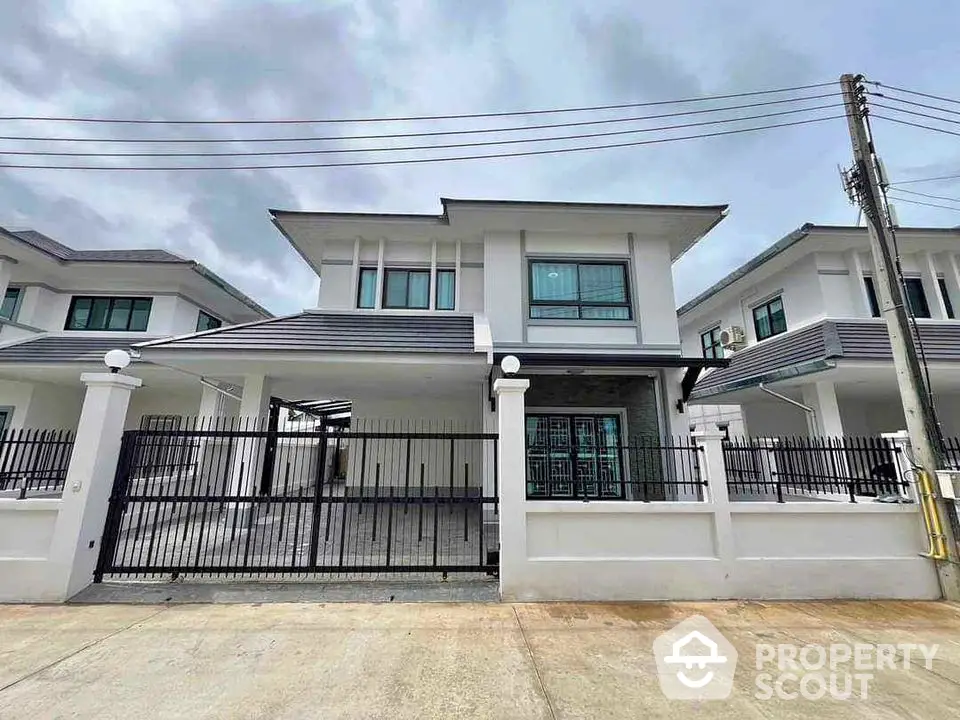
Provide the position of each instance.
(694, 661)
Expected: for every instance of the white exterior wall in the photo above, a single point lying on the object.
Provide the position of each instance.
(26, 534)
(163, 401)
(54, 407)
(503, 286)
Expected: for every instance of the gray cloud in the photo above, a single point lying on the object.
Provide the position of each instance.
(231, 59)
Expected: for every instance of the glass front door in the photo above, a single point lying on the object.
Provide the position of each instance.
(572, 456)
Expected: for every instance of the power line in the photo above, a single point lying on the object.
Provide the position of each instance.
(412, 118)
(921, 180)
(913, 92)
(415, 161)
(449, 146)
(917, 125)
(918, 202)
(914, 104)
(435, 133)
(915, 113)
(928, 195)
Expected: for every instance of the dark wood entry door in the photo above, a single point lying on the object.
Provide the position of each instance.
(574, 456)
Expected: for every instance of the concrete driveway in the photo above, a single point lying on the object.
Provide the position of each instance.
(501, 661)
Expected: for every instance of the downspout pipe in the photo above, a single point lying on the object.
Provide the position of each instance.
(773, 393)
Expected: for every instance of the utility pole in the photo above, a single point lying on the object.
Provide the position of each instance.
(925, 439)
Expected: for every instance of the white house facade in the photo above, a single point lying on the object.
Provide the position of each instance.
(415, 312)
(801, 320)
(64, 308)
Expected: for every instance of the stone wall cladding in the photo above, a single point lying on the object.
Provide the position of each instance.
(637, 394)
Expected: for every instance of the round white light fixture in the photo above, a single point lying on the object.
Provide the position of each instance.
(116, 360)
(553, 275)
(510, 365)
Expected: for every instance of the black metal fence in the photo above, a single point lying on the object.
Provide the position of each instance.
(34, 461)
(817, 468)
(242, 500)
(648, 469)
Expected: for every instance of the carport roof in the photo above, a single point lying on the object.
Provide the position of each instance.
(816, 347)
(66, 348)
(334, 332)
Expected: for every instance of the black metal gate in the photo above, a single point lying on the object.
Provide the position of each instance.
(223, 500)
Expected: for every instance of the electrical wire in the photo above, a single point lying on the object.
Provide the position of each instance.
(918, 202)
(918, 125)
(927, 179)
(914, 104)
(417, 161)
(916, 114)
(913, 92)
(433, 133)
(412, 118)
(927, 380)
(928, 195)
(448, 146)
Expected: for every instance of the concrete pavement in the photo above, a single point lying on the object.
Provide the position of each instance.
(438, 660)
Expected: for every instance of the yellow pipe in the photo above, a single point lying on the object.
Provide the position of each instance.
(931, 517)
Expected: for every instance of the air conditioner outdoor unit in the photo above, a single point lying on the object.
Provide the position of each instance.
(732, 337)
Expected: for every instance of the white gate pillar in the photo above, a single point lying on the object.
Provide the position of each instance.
(83, 513)
(512, 466)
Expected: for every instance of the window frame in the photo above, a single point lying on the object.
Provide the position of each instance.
(916, 282)
(765, 305)
(873, 302)
(436, 294)
(112, 299)
(15, 310)
(579, 304)
(715, 347)
(203, 314)
(359, 297)
(945, 295)
(410, 271)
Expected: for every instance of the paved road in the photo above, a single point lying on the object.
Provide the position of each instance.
(507, 662)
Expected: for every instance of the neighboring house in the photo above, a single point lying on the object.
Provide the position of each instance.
(64, 308)
(415, 312)
(802, 319)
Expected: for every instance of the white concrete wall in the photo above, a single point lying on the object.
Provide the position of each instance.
(16, 395)
(774, 419)
(336, 288)
(162, 401)
(674, 551)
(27, 573)
(652, 286)
(54, 407)
(503, 286)
(384, 462)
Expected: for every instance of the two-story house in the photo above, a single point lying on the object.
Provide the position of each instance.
(415, 312)
(63, 309)
(809, 353)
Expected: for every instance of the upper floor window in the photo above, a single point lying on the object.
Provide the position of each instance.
(947, 305)
(579, 291)
(406, 289)
(710, 343)
(109, 313)
(367, 289)
(11, 302)
(768, 319)
(206, 321)
(916, 297)
(446, 289)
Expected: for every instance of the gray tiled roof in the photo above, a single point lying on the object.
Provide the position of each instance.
(811, 348)
(62, 252)
(337, 332)
(67, 348)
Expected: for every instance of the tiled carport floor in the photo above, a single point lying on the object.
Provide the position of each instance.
(390, 660)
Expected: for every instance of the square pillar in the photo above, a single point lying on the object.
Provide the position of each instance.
(80, 524)
(6, 269)
(211, 405)
(822, 397)
(858, 269)
(249, 452)
(512, 463)
(931, 288)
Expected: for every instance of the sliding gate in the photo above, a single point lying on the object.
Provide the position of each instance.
(218, 500)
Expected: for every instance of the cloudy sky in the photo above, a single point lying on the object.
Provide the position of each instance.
(230, 59)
